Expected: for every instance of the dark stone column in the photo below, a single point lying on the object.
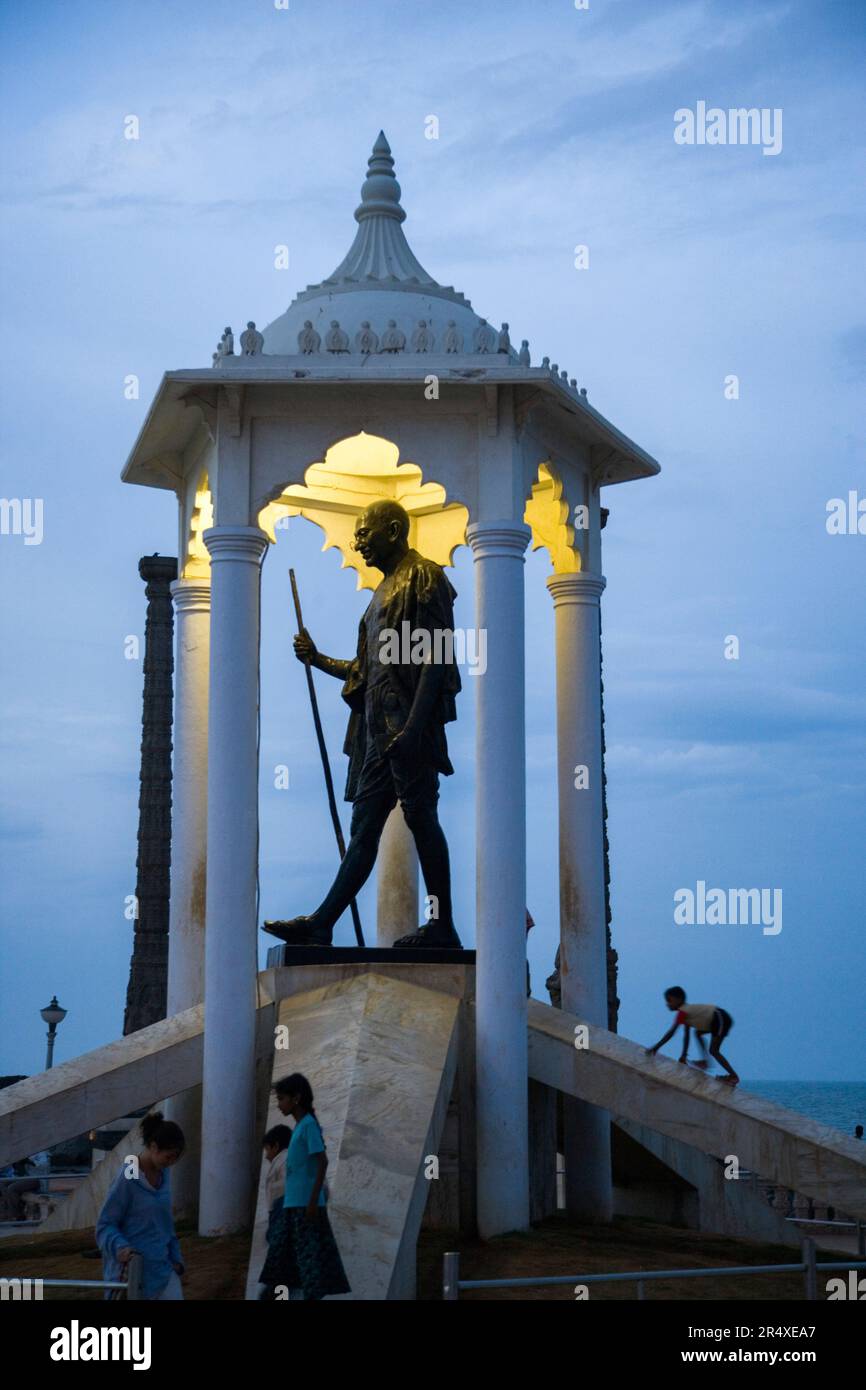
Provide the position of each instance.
(148, 970)
(612, 954)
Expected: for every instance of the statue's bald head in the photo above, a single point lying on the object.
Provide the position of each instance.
(390, 514)
(382, 534)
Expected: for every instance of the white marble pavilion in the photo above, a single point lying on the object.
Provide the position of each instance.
(381, 382)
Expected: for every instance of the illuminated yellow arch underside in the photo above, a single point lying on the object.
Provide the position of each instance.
(547, 516)
(365, 468)
(355, 473)
(197, 561)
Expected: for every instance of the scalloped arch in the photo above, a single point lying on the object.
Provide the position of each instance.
(355, 472)
(196, 562)
(547, 515)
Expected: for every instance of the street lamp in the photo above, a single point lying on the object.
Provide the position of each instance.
(52, 1015)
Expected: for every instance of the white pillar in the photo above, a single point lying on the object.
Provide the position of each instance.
(583, 945)
(501, 1043)
(229, 1140)
(188, 849)
(396, 881)
(189, 794)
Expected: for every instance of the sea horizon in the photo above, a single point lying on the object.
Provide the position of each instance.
(840, 1104)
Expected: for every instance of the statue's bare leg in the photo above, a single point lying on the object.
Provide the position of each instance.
(423, 820)
(368, 821)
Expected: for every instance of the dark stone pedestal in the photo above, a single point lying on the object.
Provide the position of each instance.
(366, 955)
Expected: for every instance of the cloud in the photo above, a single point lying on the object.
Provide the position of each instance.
(851, 350)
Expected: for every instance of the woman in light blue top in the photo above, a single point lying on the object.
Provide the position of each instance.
(136, 1216)
(303, 1254)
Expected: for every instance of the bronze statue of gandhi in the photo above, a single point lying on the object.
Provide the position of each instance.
(401, 698)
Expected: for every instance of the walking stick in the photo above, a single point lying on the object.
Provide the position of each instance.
(326, 766)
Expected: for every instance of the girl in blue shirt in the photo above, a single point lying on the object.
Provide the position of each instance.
(136, 1217)
(303, 1254)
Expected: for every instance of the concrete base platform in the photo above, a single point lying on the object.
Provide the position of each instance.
(381, 1053)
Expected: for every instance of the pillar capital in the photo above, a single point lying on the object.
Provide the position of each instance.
(498, 539)
(158, 568)
(583, 588)
(235, 544)
(191, 595)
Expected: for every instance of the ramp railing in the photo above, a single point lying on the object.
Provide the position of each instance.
(453, 1285)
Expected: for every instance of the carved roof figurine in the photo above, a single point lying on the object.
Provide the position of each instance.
(335, 339)
(583, 390)
(563, 376)
(393, 339)
(453, 338)
(252, 341)
(422, 338)
(216, 357)
(545, 362)
(366, 341)
(308, 339)
(573, 383)
(484, 337)
(554, 367)
(504, 344)
(523, 356)
(227, 343)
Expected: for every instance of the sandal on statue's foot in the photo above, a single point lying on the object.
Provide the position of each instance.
(300, 931)
(431, 939)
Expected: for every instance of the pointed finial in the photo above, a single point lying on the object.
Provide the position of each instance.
(381, 146)
(380, 193)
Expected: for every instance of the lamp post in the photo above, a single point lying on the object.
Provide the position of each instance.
(52, 1015)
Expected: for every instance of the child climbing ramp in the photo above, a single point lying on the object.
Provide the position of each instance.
(701, 1019)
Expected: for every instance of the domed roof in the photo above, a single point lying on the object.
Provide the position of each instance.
(380, 298)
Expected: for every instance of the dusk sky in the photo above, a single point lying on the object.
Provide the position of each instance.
(556, 129)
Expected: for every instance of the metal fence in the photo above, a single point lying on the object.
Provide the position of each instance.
(131, 1286)
(453, 1285)
(858, 1226)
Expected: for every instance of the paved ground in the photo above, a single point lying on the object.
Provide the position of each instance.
(217, 1267)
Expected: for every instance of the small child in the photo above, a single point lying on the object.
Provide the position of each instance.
(303, 1255)
(276, 1147)
(703, 1018)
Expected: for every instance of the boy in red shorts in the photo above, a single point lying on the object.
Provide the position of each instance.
(702, 1018)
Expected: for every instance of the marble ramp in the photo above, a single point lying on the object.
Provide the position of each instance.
(93, 1089)
(683, 1103)
(80, 1211)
